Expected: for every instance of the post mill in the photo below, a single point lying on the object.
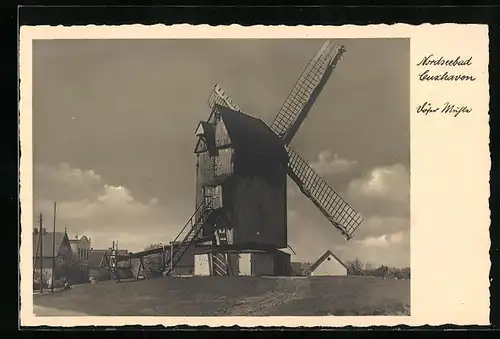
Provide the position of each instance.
(239, 226)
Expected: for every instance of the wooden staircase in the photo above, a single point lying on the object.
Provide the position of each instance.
(194, 226)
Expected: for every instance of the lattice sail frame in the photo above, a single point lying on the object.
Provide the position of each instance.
(301, 98)
(219, 97)
(331, 205)
(329, 202)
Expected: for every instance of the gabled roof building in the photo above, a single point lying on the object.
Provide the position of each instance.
(328, 265)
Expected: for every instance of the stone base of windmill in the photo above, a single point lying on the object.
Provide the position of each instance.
(248, 262)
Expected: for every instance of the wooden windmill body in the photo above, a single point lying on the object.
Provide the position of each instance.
(242, 168)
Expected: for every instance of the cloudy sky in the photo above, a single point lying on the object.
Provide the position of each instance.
(113, 134)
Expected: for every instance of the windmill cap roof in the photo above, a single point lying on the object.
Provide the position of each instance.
(251, 135)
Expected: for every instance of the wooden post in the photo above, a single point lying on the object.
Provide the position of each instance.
(36, 256)
(140, 268)
(41, 254)
(53, 249)
(116, 263)
(112, 262)
(162, 263)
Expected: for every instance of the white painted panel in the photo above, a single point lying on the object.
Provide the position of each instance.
(245, 264)
(262, 264)
(330, 266)
(224, 236)
(201, 264)
(230, 236)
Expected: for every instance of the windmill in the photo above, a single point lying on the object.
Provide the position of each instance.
(241, 170)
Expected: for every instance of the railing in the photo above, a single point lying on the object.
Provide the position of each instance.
(190, 221)
(193, 232)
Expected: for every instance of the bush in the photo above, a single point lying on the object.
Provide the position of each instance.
(153, 264)
(75, 272)
(357, 267)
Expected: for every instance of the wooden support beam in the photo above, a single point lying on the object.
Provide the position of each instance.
(140, 268)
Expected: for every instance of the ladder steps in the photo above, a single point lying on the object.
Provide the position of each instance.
(196, 223)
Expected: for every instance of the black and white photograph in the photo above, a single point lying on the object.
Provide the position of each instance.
(221, 177)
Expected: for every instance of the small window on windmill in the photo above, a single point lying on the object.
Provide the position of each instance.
(221, 237)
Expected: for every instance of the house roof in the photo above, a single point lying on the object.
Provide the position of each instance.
(78, 240)
(252, 135)
(323, 258)
(47, 243)
(95, 257)
(101, 252)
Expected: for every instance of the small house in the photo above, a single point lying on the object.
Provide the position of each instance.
(328, 265)
(81, 247)
(50, 250)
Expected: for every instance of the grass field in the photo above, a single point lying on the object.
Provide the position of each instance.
(232, 296)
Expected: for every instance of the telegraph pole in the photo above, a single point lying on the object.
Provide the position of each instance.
(53, 249)
(116, 263)
(36, 255)
(163, 257)
(41, 253)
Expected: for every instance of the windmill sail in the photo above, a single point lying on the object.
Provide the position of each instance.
(219, 97)
(306, 90)
(333, 207)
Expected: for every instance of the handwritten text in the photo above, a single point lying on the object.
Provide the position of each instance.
(458, 61)
(447, 108)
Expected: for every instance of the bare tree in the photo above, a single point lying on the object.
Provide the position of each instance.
(355, 267)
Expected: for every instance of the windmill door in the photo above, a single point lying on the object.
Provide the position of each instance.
(245, 264)
(213, 196)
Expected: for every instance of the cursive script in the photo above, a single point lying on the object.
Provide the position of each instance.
(431, 61)
(447, 108)
(458, 61)
(427, 76)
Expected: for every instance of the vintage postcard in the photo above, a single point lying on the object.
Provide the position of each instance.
(254, 176)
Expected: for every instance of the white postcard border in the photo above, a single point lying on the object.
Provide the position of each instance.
(450, 166)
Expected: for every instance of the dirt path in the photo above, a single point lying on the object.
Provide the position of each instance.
(261, 305)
